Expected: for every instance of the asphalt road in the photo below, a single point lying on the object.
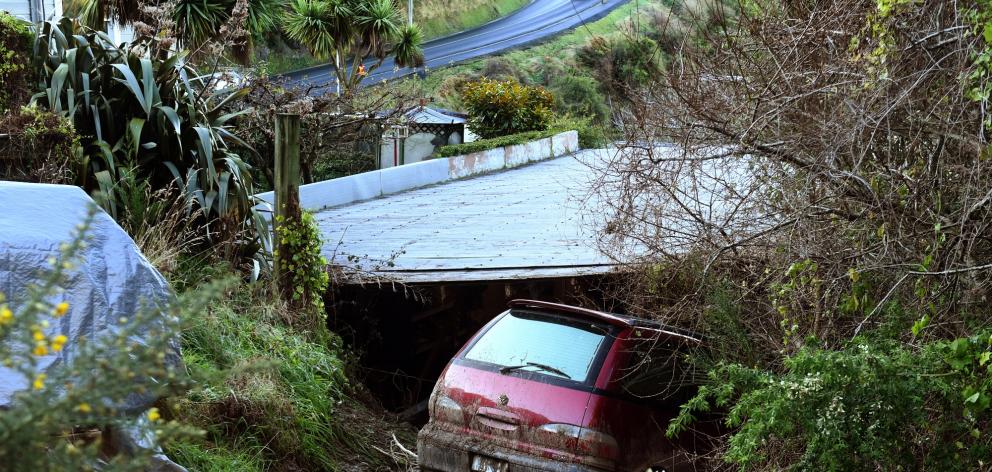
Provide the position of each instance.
(536, 21)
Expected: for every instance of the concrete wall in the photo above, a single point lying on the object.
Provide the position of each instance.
(368, 185)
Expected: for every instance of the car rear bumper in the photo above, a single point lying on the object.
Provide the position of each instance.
(445, 451)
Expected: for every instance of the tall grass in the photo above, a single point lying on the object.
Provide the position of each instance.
(270, 397)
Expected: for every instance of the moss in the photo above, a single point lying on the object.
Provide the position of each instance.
(39, 146)
(15, 45)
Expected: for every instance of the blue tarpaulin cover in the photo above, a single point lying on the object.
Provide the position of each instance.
(111, 279)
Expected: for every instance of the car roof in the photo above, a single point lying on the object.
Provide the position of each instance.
(614, 319)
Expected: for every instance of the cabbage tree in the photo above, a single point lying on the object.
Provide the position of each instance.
(358, 35)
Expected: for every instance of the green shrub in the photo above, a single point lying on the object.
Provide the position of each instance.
(580, 96)
(871, 405)
(500, 69)
(15, 75)
(450, 90)
(492, 143)
(342, 164)
(501, 108)
(621, 63)
(306, 267)
(592, 133)
(40, 147)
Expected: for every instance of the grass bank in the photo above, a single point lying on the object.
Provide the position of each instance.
(270, 397)
(534, 64)
(439, 18)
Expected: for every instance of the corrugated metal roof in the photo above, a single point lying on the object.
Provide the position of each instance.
(525, 223)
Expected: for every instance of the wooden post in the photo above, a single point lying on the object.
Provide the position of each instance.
(287, 192)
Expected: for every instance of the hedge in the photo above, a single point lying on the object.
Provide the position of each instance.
(493, 143)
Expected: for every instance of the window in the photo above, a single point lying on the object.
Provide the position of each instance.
(657, 370)
(529, 341)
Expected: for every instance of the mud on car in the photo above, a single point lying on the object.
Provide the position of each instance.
(552, 387)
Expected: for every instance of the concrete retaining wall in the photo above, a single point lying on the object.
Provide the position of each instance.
(368, 185)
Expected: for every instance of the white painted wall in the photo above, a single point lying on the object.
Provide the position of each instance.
(34, 11)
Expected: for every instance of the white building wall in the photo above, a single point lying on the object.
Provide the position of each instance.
(34, 11)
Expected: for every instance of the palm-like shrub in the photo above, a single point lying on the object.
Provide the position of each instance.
(198, 21)
(135, 109)
(353, 31)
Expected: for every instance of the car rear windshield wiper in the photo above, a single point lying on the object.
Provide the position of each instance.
(543, 367)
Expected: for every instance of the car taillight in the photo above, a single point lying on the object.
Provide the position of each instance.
(593, 444)
(446, 410)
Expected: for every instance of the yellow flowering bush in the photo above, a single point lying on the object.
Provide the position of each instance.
(64, 417)
(499, 108)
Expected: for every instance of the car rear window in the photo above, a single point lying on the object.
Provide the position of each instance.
(567, 345)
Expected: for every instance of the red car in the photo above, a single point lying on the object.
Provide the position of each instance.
(557, 388)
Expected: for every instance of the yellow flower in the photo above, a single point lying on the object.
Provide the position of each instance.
(38, 335)
(58, 342)
(6, 316)
(39, 381)
(61, 309)
(84, 408)
(40, 349)
(153, 414)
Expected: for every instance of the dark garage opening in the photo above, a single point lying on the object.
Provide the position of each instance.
(407, 334)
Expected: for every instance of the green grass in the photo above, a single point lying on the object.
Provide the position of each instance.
(532, 61)
(270, 397)
(438, 18)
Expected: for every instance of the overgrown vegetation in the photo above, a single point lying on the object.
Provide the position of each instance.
(272, 389)
(268, 382)
(305, 265)
(133, 108)
(15, 73)
(831, 186)
(38, 146)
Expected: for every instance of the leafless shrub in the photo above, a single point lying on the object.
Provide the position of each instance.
(829, 167)
(330, 123)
